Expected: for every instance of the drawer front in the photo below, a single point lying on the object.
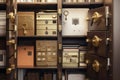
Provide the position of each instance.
(97, 43)
(98, 19)
(96, 67)
(47, 26)
(51, 32)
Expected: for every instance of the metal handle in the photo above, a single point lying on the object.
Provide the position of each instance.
(11, 16)
(24, 29)
(96, 16)
(96, 66)
(11, 42)
(87, 61)
(96, 41)
(9, 70)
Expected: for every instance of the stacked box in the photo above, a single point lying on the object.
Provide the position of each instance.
(70, 57)
(46, 53)
(25, 56)
(46, 24)
(25, 23)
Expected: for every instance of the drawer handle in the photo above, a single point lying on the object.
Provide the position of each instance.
(96, 41)
(96, 66)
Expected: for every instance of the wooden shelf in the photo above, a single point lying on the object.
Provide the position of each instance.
(75, 68)
(82, 5)
(53, 6)
(36, 6)
(74, 36)
(74, 40)
(37, 67)
(38, 37)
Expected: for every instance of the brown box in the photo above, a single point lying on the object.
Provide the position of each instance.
(25, 23)
(46, 53)
(25, 57)
(46, 45)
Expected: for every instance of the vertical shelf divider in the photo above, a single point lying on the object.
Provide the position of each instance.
(11, 39)
(59, 28)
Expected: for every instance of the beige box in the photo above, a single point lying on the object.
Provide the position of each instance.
(74, 22)
(25, 23)
(25, 56)
(70, 58)
(46, 24)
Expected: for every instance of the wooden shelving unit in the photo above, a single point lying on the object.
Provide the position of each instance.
(13, 6)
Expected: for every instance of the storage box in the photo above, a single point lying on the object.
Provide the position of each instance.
(74, 22)
(25, 23)
(70, 58)
(25, 57)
